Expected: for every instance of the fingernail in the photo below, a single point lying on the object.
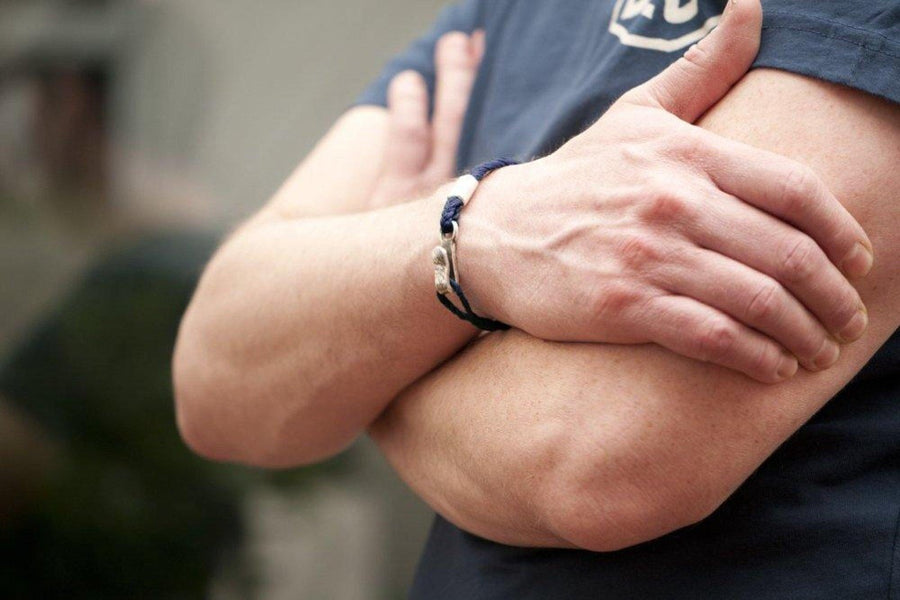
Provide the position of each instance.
(858, 261)
(788, 367)
(855, 327)
(828, 355)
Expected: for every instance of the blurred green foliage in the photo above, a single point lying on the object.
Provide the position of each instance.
(126, 511)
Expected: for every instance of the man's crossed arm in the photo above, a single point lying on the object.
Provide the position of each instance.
(316, 313)
(529, 442)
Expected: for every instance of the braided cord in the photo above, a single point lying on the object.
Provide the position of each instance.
(449, 227)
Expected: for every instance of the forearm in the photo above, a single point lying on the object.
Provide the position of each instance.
(301, 331)
(477, 438)
(604, 446)
(516, 436)
(535, 443)
(304, 325)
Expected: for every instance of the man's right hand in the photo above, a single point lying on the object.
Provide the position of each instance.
(646, 228)
(420, 152)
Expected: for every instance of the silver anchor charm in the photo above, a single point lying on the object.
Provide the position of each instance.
(441, 270)
(444, 259)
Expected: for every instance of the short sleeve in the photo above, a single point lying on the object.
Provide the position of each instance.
(854, 43)
(419, 55)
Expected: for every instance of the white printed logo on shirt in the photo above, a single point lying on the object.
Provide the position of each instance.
(664, 25)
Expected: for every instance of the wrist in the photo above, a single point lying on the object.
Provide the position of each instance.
(480, 245)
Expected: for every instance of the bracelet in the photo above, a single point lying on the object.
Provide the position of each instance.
(446, 273)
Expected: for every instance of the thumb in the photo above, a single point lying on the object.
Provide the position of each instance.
(700, 78)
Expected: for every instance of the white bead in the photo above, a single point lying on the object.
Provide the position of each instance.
(464, 187)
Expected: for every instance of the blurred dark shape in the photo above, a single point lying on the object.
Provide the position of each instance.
(124, 509)
(70, 123)
(65, 54)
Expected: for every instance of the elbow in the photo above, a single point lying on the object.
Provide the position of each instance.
(205, 404)
(219, 418)
(260, 442)
(196, 434)
(605, 514)
(200, 386)
(197, 438)
(585, 525)
(195, 416)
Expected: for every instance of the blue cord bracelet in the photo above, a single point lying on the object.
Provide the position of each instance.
(446, 277)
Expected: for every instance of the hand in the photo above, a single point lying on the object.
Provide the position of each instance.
(421, 155)
(646, 228)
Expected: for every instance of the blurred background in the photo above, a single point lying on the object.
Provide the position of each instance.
(133, 135)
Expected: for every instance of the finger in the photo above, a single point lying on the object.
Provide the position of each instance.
(455, 69)
(409, 134)
(691, 85)
(792, 192)
(693, 329)
(748, 235)
(478, 46)
(757, 301)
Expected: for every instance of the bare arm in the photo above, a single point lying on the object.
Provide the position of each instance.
(603, 446)
(305, 325)
(316, 312)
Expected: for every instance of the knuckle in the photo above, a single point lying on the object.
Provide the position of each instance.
(412, 132)
(765, 304)
(845, 309)
(811, 343)
(697, 56)
(613, 300)
(766, 361)
(692, 147)
(797, 262)
(800, 188)
(636, 156)
(665, 208)
(639, 252)
(716, 339)
(808, 341)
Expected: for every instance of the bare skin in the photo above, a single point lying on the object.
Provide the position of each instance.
(316, 364)
(292, 364)
(603, 446)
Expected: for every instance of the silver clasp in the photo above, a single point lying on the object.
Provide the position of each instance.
(444, 259)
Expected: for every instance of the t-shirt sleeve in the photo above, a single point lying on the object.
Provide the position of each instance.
(855, 43)
(419, 55)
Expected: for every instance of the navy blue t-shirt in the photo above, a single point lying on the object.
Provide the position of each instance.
(820, 519)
